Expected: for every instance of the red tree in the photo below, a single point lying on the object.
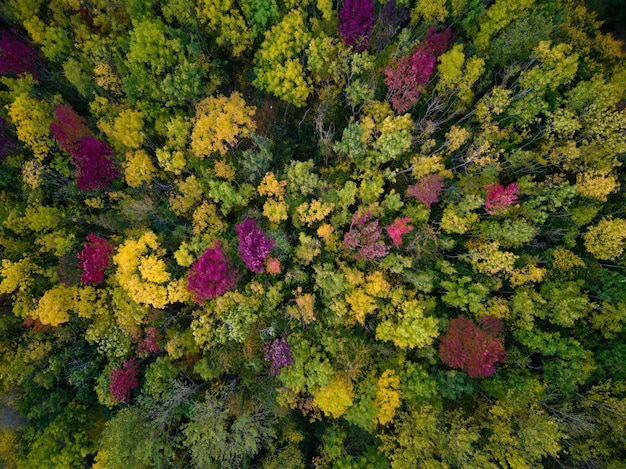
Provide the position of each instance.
(427, 189)
(407, 77)
(471, 348)
(68, 128)
(498, 197)
(123, 380)
(398, 229)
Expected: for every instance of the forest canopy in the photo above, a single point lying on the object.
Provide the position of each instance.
(311, 234)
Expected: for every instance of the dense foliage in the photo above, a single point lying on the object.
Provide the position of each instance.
(325, 234)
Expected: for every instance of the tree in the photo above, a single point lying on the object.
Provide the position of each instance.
(16, 57)
(277, 65)
(68, 128)
(473, 349)
(94, 258)
(95, 170)
(356, 20)
(364, 238)
(407, 77)
(211, 275)
(220, 123)
(254, 246)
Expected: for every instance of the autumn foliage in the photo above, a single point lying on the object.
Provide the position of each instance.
(499, 197)
(124, 380)
(407, 77)
(471, 348)
(356, 19)
(16, 57)
(412, 257)
(94, 258)
(94, 168)
(211, 275)
(254, 246)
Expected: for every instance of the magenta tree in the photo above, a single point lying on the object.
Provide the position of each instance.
(94, 258)
(16, 57)
(407, 77)
(211, 275)
(498, 197)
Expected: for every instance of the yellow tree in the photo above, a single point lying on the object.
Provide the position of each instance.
(220, 123)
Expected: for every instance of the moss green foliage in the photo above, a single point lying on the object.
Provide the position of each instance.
(292, 274)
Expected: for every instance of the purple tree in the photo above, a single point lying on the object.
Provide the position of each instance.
(356, 20)
(94, 168)
(211, 275)
(254, 246)
(15, 56)
(278, 353)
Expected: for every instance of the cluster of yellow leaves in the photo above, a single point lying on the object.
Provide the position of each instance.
(527, 274)
(410, 328)
(16, 276)
(314, 211)
(458, 75)
(496, 17)
(32, 171)
(564, 260)
(278, 67)
(460, 217)
(363, 298)
(486, 257)
(222, 18)
(219, 124)
(126, 130)
(596, 184)
(335, 397)
(31, 118)
(605, 240)
(107, 79)
(206, 221)
(308, 248)
(138, 168)
(224, 169)
(172, 156)
(142, 273)
(274, 208)
(190, 193)
(388, 397)
(430, 11)
(305, 307)
(54, 306)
